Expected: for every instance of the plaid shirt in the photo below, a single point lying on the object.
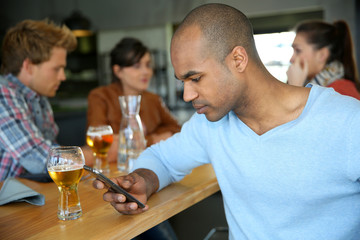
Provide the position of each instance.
(27, 129)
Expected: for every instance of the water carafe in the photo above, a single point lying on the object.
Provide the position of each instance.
(131, 134)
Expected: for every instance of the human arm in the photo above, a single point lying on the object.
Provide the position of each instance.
(297, 72)
(88, 155)
(102, 111)
(351, 132)
(157, 137)
(169, 161)
(113, 151)
(141, 183)
(166, 127)
(25, 138)
(97, 109)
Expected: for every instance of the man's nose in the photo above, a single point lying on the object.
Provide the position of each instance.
(62, 75)
(189, 92)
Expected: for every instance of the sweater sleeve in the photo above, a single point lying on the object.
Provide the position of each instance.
(171, 160)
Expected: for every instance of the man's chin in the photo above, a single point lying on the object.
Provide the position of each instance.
(212, 118)
(50, 95)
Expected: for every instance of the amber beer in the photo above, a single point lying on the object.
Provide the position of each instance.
(100, 142)
(67, 178)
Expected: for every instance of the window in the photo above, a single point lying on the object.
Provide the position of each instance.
(275, 52)
(273, 38)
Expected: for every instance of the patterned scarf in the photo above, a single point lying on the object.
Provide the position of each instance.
(332, 72)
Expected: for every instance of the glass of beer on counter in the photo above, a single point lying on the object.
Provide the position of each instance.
(100, 138)
(65, 167)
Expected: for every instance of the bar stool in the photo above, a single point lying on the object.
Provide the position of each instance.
(218, 233)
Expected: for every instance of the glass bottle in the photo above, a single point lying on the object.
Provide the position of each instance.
(131, 135)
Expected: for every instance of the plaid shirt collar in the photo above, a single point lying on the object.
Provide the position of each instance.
(15, 83)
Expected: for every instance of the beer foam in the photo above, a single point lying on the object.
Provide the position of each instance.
(100, 133)
(64, 168)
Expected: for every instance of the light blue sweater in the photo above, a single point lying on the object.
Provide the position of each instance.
(296, 181)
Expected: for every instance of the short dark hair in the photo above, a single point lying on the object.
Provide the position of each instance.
(224, 27)
(33, 40)
(127, 52)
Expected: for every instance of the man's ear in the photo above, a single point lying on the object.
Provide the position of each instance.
(28, 66)
(239, 58)
(26, 72)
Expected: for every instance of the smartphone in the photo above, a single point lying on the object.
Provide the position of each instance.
(111, 185)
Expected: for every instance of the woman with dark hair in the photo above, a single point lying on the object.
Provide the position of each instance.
(132, 71)
(323, 55)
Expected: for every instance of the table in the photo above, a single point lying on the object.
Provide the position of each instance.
(100, 220)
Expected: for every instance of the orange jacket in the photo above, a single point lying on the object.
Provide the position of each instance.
(345, 87)
(104, 108)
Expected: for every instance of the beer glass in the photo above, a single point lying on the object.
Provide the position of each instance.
(100, 138)
(65, 167)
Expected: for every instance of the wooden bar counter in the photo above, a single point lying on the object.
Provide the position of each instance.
(100, 220)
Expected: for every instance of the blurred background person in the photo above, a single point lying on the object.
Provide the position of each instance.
(33, 62)
(324, 55)
(132, 71)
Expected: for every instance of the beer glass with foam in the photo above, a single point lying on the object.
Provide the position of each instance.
(65, 167)
(100, 138)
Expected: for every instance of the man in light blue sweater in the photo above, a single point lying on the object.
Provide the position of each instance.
(286, 158)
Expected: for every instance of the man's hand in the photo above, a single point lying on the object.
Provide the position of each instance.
(297, 72)
(140, 183)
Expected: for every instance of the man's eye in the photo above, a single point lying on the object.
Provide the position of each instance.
(195, 79)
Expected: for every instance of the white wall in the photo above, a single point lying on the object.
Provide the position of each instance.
(110, 15)
(118, 14)
(154, 37)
